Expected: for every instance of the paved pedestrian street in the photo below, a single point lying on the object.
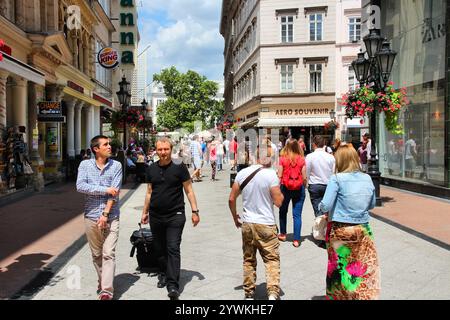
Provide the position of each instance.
(211, 266)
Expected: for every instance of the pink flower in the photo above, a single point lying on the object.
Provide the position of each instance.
(358, 103)
(356, 269)
(332, 263)
(390, 83)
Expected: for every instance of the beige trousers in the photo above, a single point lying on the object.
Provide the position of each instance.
(264, 239)
(103, 248)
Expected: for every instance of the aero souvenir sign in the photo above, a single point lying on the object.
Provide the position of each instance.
(108, 58)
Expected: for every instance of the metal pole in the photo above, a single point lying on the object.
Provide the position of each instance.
(373, 170)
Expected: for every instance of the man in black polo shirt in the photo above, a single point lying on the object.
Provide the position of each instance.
(164, 205)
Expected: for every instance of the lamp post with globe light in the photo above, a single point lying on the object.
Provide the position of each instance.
(374, 71)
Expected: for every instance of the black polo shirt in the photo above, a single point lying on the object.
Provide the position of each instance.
(167, 188)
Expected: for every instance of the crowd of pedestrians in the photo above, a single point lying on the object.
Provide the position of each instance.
(334, 176)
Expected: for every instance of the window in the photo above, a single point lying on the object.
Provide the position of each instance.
(315, 76)
(352, 82)
(287, 78)
(105, 6)
(315, 27)
(287, 29)
(354, 29)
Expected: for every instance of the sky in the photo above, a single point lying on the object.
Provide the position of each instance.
(182, 33)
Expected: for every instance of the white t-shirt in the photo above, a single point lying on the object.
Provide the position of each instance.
(319, 166)
(256, 198)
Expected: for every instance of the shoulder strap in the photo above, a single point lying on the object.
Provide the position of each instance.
(249, 178)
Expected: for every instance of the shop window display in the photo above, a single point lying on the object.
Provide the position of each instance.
(15, 166)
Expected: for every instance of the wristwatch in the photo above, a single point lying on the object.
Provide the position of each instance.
(195, 211)
(105, 214)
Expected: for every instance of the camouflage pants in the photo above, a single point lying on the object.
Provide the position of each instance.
(264, 239)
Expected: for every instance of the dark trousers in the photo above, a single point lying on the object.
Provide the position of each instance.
(167, 240)
(316, 193)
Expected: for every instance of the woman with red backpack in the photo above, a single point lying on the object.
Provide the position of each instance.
(292, 174)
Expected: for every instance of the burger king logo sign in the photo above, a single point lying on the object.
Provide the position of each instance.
(108, 58)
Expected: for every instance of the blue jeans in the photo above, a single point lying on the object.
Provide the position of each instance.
(316, 193)
(298, 198)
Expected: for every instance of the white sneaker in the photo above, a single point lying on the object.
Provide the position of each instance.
(249, 298)
(273, 297)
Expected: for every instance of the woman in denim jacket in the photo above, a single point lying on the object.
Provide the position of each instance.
(353, 270)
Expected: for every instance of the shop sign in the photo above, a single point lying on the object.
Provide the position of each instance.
(108, 58)
(127, 38)
(302, 111)
(49, 108)
(50, 111)
(75, 86)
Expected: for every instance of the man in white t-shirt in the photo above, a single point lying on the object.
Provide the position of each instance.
(259, 229)
(226, 144)
(319, 168)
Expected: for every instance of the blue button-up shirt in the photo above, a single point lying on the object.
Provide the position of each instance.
(94, 182)
(349, 197)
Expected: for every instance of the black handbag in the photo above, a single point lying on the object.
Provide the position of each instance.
(142, 244)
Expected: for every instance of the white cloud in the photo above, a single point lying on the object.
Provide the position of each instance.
(183, 33)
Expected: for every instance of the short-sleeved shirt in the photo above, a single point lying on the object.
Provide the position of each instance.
(167, 188)
(256, 197)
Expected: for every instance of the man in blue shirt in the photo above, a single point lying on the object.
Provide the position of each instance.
(100, 179)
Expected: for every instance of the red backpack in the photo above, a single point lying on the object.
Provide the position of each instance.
(293, 179)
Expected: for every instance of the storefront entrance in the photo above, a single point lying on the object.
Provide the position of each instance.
(307, 133)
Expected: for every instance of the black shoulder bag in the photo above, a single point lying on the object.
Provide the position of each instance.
(249, 178)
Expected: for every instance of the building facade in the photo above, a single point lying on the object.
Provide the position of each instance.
(418, 159)
(282, 62)
(55, 96)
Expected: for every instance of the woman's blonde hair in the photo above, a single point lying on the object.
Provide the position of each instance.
(292, 150)
(347, 159)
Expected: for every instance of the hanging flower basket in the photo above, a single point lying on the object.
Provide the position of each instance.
(331, 126)
(132, 118)
(364, 101)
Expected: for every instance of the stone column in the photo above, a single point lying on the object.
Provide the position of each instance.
(3, 79)
(20, 14)
(78, 107)
(89, 124)
(75, 48)
(70, 105)
(19, 102)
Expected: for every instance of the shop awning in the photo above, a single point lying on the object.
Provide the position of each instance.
(22, 69)
(292, 122)
(248, 124)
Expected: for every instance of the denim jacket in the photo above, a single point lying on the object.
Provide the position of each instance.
(349, 197)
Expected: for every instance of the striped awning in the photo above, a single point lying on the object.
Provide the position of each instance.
(292, 122)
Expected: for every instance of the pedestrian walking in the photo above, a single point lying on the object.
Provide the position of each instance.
(362, 152)
(353, 270)
(220, 150)
(226, 145)
(212, 150)
(165, 211)
(260, 190)
(233, 153)
(292, 175)
(319, 168)
(100, 179)
(196, 158)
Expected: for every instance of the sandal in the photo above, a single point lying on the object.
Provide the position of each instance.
(296, 243)
(282, 237)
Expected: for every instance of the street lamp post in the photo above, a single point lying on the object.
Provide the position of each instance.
(144, 105)
(124, 96)
(375, 71)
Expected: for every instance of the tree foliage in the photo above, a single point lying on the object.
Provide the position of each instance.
(190, 98)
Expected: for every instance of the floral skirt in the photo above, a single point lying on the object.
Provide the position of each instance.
(353, 270)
